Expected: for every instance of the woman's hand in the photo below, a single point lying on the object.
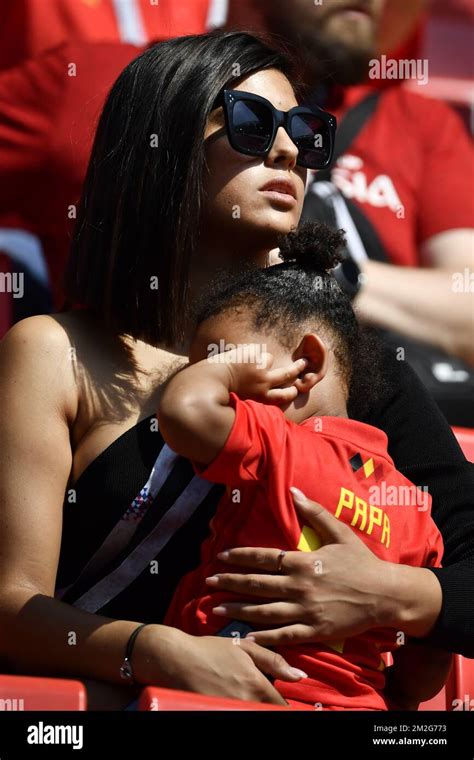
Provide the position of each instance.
(210, 665)
(340, 590)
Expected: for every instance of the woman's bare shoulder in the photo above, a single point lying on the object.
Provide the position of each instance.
(44, 327)
(37, 358)
(49, 335)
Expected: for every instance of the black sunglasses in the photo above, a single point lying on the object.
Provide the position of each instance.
(252, 123)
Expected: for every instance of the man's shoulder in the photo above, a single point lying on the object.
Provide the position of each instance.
(415, 104)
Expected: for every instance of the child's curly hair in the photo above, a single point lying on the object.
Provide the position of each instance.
(302, 291)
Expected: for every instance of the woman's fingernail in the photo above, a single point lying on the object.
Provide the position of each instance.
(249, 637)
(223, 555)
(219, 611)
(213, 580)
(297, 673)
(299, 495)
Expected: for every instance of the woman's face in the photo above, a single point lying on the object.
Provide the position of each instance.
(239, 212)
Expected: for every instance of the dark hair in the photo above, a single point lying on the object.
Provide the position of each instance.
(141, 204)
(302, 291)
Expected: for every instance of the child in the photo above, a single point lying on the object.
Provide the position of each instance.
(270, 412)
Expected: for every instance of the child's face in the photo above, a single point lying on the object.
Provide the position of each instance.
(322, 390)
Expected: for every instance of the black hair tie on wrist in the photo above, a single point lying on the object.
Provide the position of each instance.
(126, 670)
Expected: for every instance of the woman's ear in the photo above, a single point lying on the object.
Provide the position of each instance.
(311, 348)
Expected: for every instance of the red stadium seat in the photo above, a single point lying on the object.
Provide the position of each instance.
(463, 697)
(439, 702)
(25, 693)
(465, 438)
(156, 699)
(458, 694)
(450, 76)
(48, 694)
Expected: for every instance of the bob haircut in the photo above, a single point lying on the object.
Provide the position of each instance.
(139, 215)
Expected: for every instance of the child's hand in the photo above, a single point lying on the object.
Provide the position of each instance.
(252, 377)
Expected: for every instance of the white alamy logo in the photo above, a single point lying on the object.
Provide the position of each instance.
(12, 282)
(242, 353)
(12, 704)
(404, 68)
(46, 734)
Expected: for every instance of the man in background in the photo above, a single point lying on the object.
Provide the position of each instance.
(405, 180)
(30, 27)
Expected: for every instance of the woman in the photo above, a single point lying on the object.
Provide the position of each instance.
(95, 511)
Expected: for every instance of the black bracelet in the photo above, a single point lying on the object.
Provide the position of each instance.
(126, 670)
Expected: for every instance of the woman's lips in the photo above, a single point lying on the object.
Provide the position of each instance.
(283, 199)
(283, 193)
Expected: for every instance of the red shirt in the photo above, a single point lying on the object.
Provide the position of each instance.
(29, 27)
(344, 465)
(47, 125)
(410, 170)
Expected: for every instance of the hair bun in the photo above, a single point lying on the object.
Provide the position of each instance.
(314, 246)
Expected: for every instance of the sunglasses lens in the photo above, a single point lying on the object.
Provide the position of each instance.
(313, 140)
(252, 126)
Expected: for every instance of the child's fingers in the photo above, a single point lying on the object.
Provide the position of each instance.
(246, 353)
(264, 360)
(302, 385)
(281, 395)
(288, 374)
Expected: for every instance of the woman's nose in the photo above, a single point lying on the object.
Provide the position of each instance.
(283, 151)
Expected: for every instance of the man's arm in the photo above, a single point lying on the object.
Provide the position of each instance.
(433, 304)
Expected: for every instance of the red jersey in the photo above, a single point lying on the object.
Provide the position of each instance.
(410, 170)
(30, 27)
(344, 465)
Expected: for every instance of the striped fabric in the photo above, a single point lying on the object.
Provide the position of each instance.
(139, 549)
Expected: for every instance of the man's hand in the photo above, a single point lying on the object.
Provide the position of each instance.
(252, 377)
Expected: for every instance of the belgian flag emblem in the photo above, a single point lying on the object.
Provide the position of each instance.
(367, 468)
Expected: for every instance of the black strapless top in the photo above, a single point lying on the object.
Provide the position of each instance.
(137, 544)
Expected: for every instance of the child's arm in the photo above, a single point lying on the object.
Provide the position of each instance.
(418, 673)
(194, 415)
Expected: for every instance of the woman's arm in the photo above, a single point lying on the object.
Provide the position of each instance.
(425, 450)
(337, 591)
(38, 404)
(39, 634)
